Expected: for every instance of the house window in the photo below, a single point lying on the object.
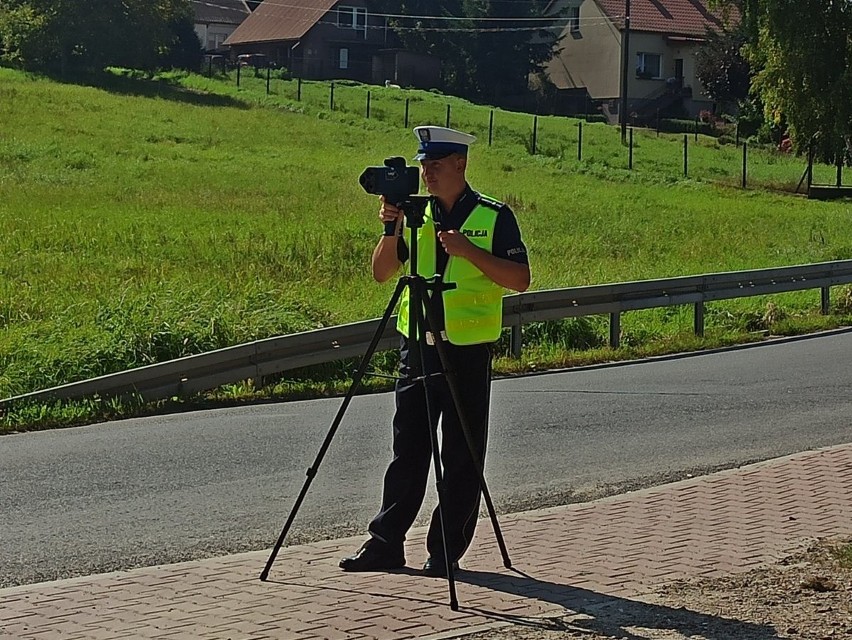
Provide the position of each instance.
(344, 59)
(352, 18)
(574, 19)
(648, 65)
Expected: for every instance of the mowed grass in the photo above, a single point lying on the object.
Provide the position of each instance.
(144, 221)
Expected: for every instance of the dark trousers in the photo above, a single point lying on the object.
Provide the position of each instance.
(407, 475)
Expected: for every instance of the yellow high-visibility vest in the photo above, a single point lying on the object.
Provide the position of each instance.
(473, 310)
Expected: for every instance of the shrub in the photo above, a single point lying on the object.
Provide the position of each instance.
(669, 125)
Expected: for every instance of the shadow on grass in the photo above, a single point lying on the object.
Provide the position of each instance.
(589, 611)
(139, 86)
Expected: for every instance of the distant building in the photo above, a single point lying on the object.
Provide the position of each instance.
(664, 37)
(215, 20)
(329, 39)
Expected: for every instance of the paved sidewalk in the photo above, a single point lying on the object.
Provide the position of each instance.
(577, 558)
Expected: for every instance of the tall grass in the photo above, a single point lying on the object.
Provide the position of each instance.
(142, 221)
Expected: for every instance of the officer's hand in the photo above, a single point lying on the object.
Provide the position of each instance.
(455, 243)
(389, 212)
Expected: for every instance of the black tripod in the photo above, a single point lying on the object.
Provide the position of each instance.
(419, 289)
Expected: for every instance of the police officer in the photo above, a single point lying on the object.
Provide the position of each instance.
(474, 241)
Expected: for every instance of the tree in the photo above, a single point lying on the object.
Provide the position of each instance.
(802, 51)
(721, 67)
(60, 35)
(488, 48)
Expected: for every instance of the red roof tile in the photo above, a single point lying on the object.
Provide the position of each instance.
(677, 17)
(280, 20)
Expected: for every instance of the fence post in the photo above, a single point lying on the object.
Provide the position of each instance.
(839, 169)
(810, 166)
(406, 112)
(745, 162)
(299, 90)
(738, 133)
(238, 74)
(580, 141)
(658, 123)
(368, 105)
(630, 154)
(331, 97)
(534, 133)
(615, 330)
(268, 72)
(825, 300)
(696, 128)
(448, 116)
(685, 156)
(490, 127)
(698, 320)
(517, 340)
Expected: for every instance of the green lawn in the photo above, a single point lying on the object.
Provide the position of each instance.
(141, 221)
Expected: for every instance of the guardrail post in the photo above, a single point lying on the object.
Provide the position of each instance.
(615, 330)
(698, 323)
(825, 300)
(517, 340)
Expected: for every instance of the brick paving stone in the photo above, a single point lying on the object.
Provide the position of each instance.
(565, 559)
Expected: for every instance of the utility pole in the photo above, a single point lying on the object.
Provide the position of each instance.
(625, 66)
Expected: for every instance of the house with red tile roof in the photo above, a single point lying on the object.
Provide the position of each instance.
(332, 39)
(664, 38)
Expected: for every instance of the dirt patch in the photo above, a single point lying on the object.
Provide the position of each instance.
(806, 596)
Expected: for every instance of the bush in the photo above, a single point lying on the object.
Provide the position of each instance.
(569, 333)
(669, 125)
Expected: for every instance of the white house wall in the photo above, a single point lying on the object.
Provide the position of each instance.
(591, 57)
(212, 36)
(669, 50)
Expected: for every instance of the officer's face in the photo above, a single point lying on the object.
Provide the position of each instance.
(444, 176)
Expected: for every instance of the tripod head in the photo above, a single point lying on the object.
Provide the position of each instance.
(414, 209)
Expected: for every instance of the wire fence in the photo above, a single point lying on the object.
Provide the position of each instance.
(700, 151)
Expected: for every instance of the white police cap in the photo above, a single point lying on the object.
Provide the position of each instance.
(438, 142)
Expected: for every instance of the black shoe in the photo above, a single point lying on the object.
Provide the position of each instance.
(374, 556)
(437, 568)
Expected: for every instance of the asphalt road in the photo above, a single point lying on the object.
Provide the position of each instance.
(171, 488)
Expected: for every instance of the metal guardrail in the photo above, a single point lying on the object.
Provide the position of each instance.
(254, 360)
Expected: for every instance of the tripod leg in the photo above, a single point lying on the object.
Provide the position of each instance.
(356, 381)
(452, 384)
(416, 308)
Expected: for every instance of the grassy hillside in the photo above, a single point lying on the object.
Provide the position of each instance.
(141, 221)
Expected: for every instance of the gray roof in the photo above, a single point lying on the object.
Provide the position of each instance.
(220, 11)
